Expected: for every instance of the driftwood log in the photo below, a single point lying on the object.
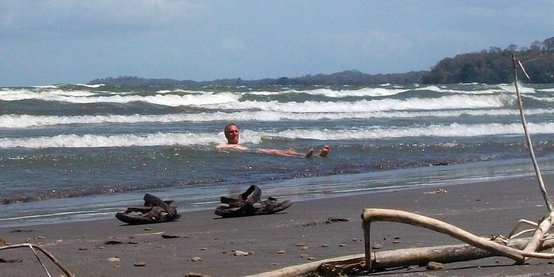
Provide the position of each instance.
(355, 264)
(497, 249)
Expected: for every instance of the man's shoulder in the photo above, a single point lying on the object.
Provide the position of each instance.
(231, 146)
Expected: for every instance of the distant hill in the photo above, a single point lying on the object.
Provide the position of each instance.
(350, 77)
(493, 66)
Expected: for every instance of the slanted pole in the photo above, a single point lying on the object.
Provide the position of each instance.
(528, 137)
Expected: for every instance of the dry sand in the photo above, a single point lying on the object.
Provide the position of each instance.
(206, 244)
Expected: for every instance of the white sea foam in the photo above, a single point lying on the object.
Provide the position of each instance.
(91, 86)
(47, 95)
(256, 137)
(512, 89)
(86, 97)
(45, 87)
(122, 140)
(445, 102)
(542, 99)
(26, 121)
(71, 93)
(475, 89)
(383, 132)
(363, 92)
(233, 101)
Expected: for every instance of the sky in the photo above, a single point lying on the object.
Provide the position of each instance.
(73, 41)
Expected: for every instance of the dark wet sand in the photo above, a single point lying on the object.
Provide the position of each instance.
(206, 243)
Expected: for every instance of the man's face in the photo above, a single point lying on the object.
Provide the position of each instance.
(232, 134)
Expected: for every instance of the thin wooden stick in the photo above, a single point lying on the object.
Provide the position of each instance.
(48, 254)
(40, 261)
(547, 199)
(513, 233)
(546, 223)
(367, 243)
(539, 234)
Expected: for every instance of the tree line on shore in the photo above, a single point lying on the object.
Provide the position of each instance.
(492, 66)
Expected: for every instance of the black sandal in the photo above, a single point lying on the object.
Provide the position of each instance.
(249, 203)
(154, 211)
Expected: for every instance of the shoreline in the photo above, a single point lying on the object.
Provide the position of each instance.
(205, 243)
(103, 206)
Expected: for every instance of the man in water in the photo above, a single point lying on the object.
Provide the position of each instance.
(232, 135)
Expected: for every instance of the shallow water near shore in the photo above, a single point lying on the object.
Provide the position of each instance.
(104, 206)
(79, 152)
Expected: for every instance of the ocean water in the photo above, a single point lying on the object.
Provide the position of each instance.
(80, 152)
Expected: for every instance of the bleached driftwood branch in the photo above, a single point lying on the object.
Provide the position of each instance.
(421, 256)
(546, 222)
(476, 248)
(398, 258)
(48, 254)
(528, 141)
(372, 215)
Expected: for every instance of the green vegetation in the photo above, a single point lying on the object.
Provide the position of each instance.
(493, 66)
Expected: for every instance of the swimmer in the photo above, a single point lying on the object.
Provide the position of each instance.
(232, 135)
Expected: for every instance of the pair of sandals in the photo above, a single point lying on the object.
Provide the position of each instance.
(249, 203)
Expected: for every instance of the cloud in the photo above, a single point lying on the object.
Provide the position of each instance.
(233, 44)
(77, 18)
(50, 41)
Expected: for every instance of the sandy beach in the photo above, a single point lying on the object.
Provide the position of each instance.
(206, 244)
